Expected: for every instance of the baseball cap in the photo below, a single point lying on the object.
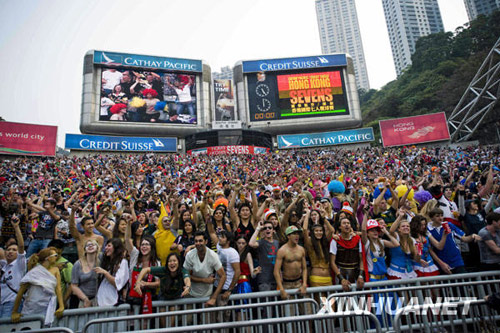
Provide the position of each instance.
(371, 223)
(291, 229)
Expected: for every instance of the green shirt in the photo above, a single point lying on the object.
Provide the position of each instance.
(65, 271)
(170, 287)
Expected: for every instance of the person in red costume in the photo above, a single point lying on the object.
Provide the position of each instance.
(347, 257)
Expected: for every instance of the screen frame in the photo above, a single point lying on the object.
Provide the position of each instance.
(249, 95)
(100, 68)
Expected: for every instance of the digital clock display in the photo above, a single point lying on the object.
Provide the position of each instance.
(278, 95)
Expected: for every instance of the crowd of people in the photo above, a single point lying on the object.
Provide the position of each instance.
(140, 96)
(102, 230)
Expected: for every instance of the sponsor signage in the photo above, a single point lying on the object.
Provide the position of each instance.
(118, 143)
(27, 139)
(145, 61)
(234, 124)
(414, 130)
(286, 64)
(326, 138)
(220, 150)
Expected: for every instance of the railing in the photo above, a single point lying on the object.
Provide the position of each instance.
(26, 323)
(290, 324)
(50, 330)
(475, 285)
(204, 316)
(460, 316)
(75, 319)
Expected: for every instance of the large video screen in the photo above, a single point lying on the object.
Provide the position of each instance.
(146, 96)
(274, 96)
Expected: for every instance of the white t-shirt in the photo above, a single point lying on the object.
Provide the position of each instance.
(11, 276)
(227, 257)
(184, 94)
(112, 79)
(210, 265)
(107, 294)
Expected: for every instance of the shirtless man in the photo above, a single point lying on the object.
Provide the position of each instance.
(292, 257)
(88, 231)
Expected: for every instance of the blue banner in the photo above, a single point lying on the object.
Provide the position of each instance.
(326, 138)
(120, 143)
(144, 61)
(328, 60)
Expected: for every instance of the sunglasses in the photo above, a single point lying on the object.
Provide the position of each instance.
(267, 228)
(52, 255)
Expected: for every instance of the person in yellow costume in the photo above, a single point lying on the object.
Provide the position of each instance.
(164, 236)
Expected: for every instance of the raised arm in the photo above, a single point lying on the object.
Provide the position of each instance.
(19, 236)
(105, 232)
(212, 233)
(232, 212)
(305, 227)
(395, 225)
(129, 243)
(73, 230)
(364, 235)
(253, 240)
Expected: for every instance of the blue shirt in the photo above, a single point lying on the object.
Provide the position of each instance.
(450, 254)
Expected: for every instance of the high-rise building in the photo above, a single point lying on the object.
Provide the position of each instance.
(480, 7)
(339, 33)
(407, 21)
(226, 73)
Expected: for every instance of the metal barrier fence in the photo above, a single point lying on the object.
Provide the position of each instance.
(26, 323)
(461, 316)
(50, 330)
(203, 316)
(75, 319)
(290, 324)
(461, 285)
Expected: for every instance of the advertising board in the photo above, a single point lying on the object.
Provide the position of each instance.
(309, 140)
(27, 139)
(117, 143)
(414, 130)
(221, 150)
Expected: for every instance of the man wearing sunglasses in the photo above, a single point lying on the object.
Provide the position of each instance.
(267, 248)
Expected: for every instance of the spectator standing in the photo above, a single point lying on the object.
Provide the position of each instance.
(267, 251)
(13, 268)
(489, 246)
(203, 264)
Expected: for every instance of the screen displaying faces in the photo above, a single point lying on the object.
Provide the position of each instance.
(146, 96)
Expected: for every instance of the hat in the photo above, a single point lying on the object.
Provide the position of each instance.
(336, 186)
(276, 188)
(152, 92)
(117, 108)
(268, 213)
(323, 200)
(347, 209)
(221, 201)
(291, 229)
(371, 223)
